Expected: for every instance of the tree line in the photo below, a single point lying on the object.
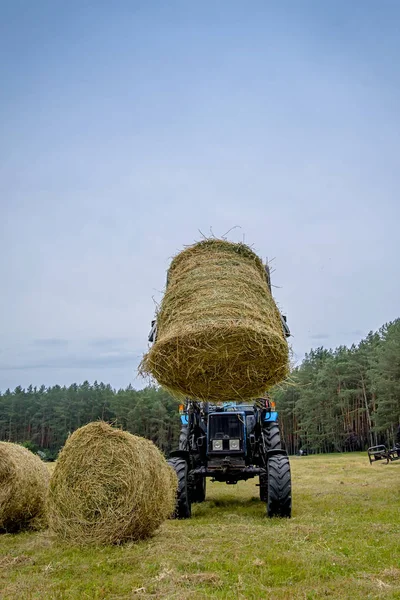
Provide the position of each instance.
(335, 400)
(344, 399)
(42, 418)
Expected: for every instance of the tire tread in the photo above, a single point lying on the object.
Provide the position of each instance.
(279, 503)
(183, 505)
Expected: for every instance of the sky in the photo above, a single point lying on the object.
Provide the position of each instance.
(130, 129)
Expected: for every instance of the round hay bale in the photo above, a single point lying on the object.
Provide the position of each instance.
(108, 487)
(220, 334)
(24, 482)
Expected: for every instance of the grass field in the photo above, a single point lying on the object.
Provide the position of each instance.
(342, 542)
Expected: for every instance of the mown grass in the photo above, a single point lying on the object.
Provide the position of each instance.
(342, 542)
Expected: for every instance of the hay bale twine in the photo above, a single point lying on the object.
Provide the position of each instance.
(220, 335)
(109, 486)
(24, 482)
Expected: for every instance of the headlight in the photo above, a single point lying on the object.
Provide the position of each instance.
(234, 444)
(217, 445)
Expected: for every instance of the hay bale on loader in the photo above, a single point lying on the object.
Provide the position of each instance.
(24, 482)
(109, 486)
(219, 331)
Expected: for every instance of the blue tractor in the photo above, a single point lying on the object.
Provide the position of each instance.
(229, 443)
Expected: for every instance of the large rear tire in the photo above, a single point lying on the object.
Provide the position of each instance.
(199, 490)
(183, 508)
(263, 487)
(183, 438)
(272, 436)
(279, 502)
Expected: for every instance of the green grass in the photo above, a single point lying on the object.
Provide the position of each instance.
(342, 542)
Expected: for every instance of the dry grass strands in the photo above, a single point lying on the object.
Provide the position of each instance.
(24, 482)
(220, 335)
(109, 486)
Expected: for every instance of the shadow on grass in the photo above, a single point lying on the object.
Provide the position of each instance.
(249, 507)
(231, 502)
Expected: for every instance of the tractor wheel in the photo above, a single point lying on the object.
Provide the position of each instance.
(263, 488)
(199, 490)
(183, 505)
(279, 502)
(183, 438)
(272, 436)
(272, 441)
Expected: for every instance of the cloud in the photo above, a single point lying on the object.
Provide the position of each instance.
(108, 342)
(107, 360)
(51, 342)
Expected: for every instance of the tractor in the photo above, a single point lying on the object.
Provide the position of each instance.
(231, 442)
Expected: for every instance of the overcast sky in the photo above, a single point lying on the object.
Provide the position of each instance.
(128, 127)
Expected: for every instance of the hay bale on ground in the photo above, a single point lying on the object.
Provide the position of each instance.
(220, 335)
(24, 482)
(109, 486)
